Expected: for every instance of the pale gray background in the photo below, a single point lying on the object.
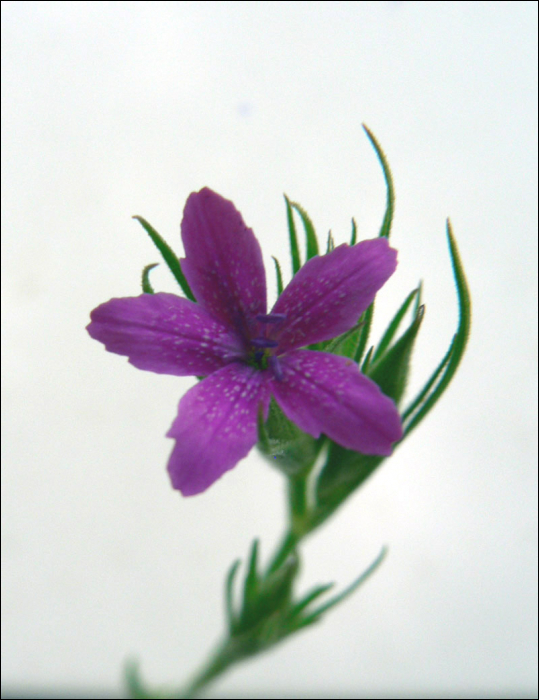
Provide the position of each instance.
(120, 108)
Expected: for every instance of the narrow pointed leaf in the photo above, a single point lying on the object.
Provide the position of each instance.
(294, 250)
(347, 592)
(229, 596)
(393, 327)
(419, 297)
(169, 256)
(367, 360)
(420, 398)
(460, 339)
(309, 598)
(146, 286)
(331, 243)
(276, 588)
(353, 238)
(310, 234)
(385, 229)
(250, 590)
(279, 276)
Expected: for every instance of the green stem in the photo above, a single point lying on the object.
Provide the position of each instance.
(287, 546)
(226, 654)
(297, 494)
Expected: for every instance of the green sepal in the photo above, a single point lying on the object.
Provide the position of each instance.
(353, 237)
(391, 370)
(146, 286)
(294, 249)
(393, 327)
(286, 446)
(310, 234)
(331, 243)
(279, 276)
(169, 256)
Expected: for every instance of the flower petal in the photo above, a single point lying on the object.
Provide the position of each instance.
(164, 333)
(223, 263)
(330, 292)
(216, 426)
(324, 393)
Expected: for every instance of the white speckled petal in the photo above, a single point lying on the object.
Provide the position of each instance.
(324, 393)
(328, 295)
(216, 426)
(223, 263)
(165, 333)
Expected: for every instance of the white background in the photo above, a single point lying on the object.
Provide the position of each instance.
(120, 108)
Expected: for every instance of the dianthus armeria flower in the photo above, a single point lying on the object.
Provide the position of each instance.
(247, 355)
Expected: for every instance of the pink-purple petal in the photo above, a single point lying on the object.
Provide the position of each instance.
(223, 263)
(216, 426)
(324, 393)
(329, 293)
(165, 333)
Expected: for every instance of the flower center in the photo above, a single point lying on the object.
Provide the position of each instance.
(264, 345)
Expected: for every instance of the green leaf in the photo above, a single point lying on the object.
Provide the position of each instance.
(445, 371)
(385, 229)
(250, 589)
(229, 596)
(353, 238)
(294, 250)
(276, 588)
(310, 234)
(419, 297)
(169, 256)
(391, 370)
(309, 598)
(146, 286)
(394, 325)
(279, 276)
(315, 615)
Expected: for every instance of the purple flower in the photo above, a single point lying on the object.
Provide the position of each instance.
(248, 355)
